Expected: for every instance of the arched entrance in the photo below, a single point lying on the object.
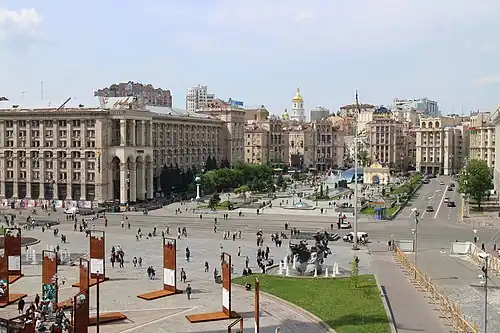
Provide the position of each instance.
(115, 167)
(375, 179)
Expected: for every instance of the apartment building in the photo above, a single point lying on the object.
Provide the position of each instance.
(442, 145)
(111, 151)
(198, 98)
(233, 136)
(146, 92)
(385, 140)
(482, 138)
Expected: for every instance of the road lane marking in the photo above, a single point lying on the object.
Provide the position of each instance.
(440, 204)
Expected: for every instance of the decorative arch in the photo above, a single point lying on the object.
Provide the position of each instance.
(437, 124)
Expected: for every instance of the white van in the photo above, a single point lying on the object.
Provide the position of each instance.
(362, 236)
(71, 210)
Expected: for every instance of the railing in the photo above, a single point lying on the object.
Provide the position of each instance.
(236, 322)
(493, 262)
(449, 309)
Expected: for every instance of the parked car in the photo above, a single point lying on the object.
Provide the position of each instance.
(429, 209)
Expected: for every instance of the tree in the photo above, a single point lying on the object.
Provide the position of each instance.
(475, 180)
(214, 201)
(363, 156)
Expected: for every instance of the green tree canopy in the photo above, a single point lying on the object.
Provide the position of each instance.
(475, 180)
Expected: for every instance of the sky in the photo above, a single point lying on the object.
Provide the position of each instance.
(257, 51)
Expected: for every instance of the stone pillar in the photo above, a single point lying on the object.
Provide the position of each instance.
(15, 190)
(141, 181)
(143, 133)
(55, 190)
(133, 182)
(132, 133)
(29, 176)
(83, 188)
(109, 181)
(123, 132)
(149, 173)
(150, 134)
(69, 187)
(123, 183)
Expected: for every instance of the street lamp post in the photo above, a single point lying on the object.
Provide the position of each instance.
(484, 269)
(228, 202)
(316, 196)
(415, 242)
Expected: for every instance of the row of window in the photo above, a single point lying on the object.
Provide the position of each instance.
(63, 176)
(9, 154)
(63, 133)
(35, 164)
(62, 143)
(50, 123)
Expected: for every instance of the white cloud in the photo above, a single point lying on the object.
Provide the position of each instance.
(487, 80)
(20, 26)
(340, 24)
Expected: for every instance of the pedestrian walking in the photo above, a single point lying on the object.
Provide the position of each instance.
(189, 290)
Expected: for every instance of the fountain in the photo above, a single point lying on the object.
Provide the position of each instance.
(309, 261)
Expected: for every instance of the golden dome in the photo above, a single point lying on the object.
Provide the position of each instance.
(298, 97)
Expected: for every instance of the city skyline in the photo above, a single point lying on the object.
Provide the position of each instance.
(385, 55)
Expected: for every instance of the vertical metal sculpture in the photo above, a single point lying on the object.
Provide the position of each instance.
(4, 278)
(226, 284)
(12, 245)
(170, 264)
(49, 277)
(81, 300)
(169, 272)
(97, 255)
(226, 312)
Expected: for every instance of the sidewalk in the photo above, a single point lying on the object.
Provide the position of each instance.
(411, 311)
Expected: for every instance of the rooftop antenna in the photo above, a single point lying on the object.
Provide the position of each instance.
(41, 90)
(23, 93)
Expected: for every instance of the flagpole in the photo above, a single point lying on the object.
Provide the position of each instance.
(355, 224)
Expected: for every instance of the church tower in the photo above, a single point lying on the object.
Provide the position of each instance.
(298, 113)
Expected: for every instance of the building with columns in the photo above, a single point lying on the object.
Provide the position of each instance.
(112, 151)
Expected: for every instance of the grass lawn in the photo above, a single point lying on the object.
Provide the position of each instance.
(345, 308)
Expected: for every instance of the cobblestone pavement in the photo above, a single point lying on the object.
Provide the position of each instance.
(168, 314)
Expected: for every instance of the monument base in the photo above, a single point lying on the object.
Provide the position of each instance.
(14, 278)
(13, 298)
(92, 282)
(158, 294)
(108, 317)
(212, 316)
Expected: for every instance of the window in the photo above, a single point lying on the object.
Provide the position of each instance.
(75, 123)
(90, 176)
(10, 174)
(22, 174)
(76, 175)
(75, 154)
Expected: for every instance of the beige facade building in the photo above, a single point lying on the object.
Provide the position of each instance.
(482, 138)
(385, 140)
(233, 137)
(442, 145)
(111, 151)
